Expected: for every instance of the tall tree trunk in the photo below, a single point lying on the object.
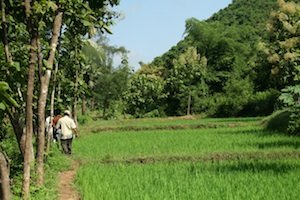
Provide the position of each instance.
(41, 122)
(58, 91)
(52, 100)
(75, 111)
(44, 80)
(76, 84)
(75, 98)
(92, 106)
(83, 107)
(29, 118)
(4, 177)
(189, 103)
(29, 101)
(19, 131)
(104, 107)
(5, 34)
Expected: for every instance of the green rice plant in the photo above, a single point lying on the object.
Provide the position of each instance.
(166, 123)
(166, 143)
(229, 163)
(232, 180)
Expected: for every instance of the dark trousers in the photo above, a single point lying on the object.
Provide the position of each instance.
(66, 145)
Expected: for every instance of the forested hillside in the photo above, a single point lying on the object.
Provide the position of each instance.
(242, 12)
(236, 78)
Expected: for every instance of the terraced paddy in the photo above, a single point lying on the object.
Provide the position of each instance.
(221, 159)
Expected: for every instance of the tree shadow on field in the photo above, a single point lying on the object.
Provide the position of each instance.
(278, 144)
(262, 132)
(258, 167)
(243, 132)
(268, 133)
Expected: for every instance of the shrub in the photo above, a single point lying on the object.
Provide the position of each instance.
(260, 104)
(237, 93)
(290, 98)
(294, 123)
(152, 114)
(227, 106)
(278, 121)
(82, 119)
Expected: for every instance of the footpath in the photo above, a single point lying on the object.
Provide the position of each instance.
(67, 190)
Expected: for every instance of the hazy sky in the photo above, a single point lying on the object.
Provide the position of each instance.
(150, 28)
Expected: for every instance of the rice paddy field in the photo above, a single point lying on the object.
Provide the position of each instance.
(189, 158)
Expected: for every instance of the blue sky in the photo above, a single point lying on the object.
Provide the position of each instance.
(150, 28)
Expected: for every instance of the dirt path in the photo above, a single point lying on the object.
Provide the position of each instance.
(67, 190)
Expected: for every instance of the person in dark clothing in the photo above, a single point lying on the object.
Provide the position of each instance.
(56, 131)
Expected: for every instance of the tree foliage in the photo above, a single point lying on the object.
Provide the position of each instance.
(31, 32)
(282, 46)
(144, 94)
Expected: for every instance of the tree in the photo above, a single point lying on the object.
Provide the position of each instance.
(4, 177)
(290, 98)
(14, 34)
(109, 82)
(6, 101)
(109, 88)
(282, 48)
(144, 94)
(189, 69)
(41, 24)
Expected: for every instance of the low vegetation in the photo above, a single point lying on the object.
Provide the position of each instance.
(237, 162)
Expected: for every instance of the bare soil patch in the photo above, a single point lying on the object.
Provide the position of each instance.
(67, 190)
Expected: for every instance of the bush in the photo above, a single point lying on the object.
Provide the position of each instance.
(154, 113)
(278, 121)
(260, 104)
(237, 93)
(290, 98)
(226, 106)
(294, 123)
(82, 119)
(244, 105)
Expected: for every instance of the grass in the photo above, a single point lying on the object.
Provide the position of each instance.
(230, 162)
(55, 163)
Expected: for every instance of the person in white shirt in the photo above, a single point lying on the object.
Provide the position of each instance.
(48, 127)
(68, 129)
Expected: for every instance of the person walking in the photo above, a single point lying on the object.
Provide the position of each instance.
(48, 127)
(56, 132)
(68, 129)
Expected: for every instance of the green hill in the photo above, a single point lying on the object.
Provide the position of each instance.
(245, 12)
(237, 80)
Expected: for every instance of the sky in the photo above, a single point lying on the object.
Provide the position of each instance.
(149, 28)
